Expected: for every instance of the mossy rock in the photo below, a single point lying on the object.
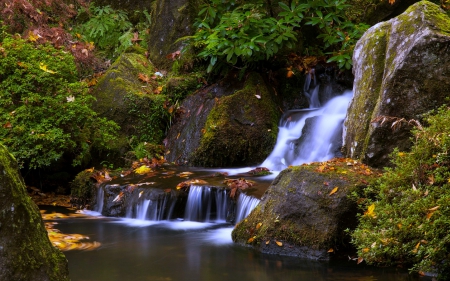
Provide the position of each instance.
(171, 20)
(401, 70)
(227, 128)
(26, 252)
(306, 210)
(129, 101)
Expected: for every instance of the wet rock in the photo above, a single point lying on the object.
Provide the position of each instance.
(26, 252)
(401, 70)
(227, 124)
(305, 211)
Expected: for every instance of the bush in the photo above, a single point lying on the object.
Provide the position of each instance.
(44, 110)
(408, 217)
(240, 34)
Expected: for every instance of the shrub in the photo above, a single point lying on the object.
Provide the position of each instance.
(246, 33)
(408, 217)
(44, 110)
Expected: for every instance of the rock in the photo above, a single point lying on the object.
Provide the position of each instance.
(124, 97)
(306, 210)
(171, 20)
(402, 70)
(26, 252)
(226, 124)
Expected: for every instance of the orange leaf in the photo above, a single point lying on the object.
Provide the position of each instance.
(330, 250)
(251, 239)
(279, 243)
(333, 191)
(360, 260)
(258, 226)
(267, 242)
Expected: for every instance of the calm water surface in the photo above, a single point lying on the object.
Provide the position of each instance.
(142, 250)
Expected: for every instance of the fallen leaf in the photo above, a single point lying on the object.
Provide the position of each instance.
(279, 243)
(142, 170)
(331, 250)
(360, 260)
(370, 211)
(334, 191)
(258, 226)
(365, 250)
(43, 67)
(251, 239)
(258, 97)
(267, 242)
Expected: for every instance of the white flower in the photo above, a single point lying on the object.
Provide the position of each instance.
(70, 98)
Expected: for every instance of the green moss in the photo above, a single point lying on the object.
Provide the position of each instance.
(26, 249)
(241, 128)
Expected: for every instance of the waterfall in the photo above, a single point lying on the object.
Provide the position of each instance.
(100, 200)
(155, 209)
(311, 90)
(325, 125)
(206, 204)
(245, 206)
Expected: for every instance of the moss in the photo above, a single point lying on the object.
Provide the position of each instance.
(241, 128)
(26, 250)
(312, 224)
(81, 189)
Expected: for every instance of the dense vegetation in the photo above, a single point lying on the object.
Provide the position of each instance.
(407, 212)
(240, 33)
(44, 108)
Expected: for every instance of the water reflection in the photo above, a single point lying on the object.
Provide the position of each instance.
(199, 251)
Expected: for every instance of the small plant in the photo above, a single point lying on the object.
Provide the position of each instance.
(45, 111)
(109, 29)
(407, 211)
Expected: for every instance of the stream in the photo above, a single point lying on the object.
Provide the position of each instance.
(181, 250)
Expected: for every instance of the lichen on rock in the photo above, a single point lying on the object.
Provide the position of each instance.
(26, 252)
(401, 70)
(306, 209)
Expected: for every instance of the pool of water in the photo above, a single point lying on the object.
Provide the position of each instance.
(178, 250)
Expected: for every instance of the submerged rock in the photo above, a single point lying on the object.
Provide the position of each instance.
(402, 70)
(26, 252)
(306, 210)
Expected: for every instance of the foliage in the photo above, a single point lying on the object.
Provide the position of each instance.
(407, 214)
(111, 31)
(44, 111)
(245, 33)
(148, 150)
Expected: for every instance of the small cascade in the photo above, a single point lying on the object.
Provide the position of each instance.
(324, 127)
(206, 204)
(245, 206)
(153, 209)
(100, 200)
(311, 90)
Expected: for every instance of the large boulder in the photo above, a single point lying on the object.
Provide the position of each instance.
(128, 95)
(402, 70)
(26, 252)
(227, 124)
(306, 210)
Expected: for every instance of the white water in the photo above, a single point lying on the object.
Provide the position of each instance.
(100, 200)
(318, 148)
(245, 206)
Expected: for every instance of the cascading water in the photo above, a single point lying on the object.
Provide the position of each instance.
(206, 204)
(245, 206)
(100, 200)
(155, 209)
(325, 126)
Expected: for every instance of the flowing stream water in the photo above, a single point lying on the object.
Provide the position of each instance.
(153, 243)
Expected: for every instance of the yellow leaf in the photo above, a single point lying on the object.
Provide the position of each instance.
(91, 170)
(258, 225)
(333, 191)
(416, 248)
(32, 37)
(142, 170)
(279, 243)
(251, 239)
(44, 68)
(267, 242)
(370, 211)
(365, 250)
